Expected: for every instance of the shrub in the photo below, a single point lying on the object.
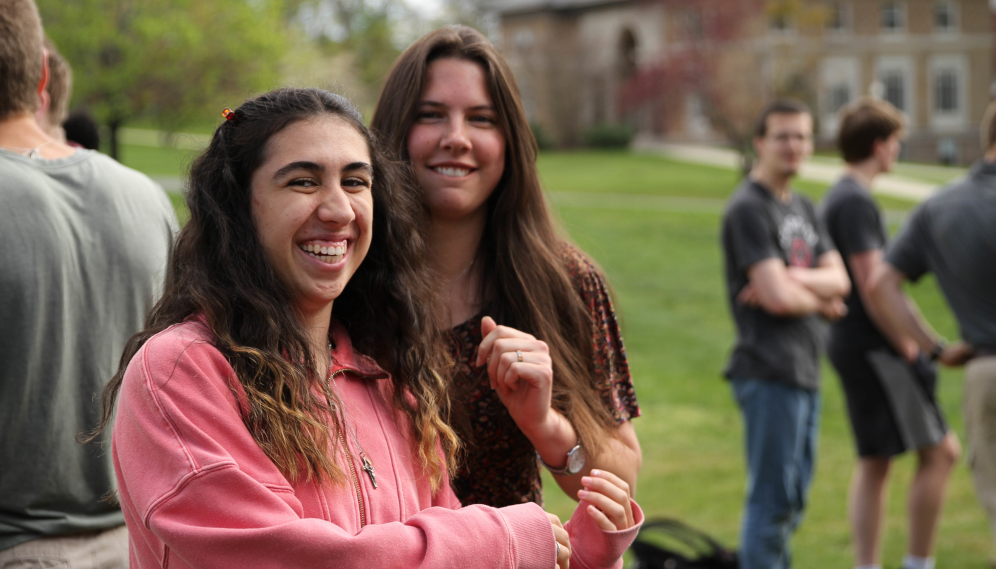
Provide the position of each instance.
(608, 136)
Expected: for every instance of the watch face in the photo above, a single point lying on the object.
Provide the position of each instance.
(575, 460)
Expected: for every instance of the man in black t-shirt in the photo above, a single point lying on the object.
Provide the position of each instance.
(889, 383)
(953, 236)
(782, 273)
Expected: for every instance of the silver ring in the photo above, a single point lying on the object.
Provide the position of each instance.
(558, 550)
(519, 353)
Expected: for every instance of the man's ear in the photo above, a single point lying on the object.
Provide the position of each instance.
(43, 83)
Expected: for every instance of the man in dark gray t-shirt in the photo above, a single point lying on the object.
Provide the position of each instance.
(781, 274)
(85, 247)
(953, 236)
(889, 386)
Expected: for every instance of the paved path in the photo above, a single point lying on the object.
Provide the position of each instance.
(827, 173)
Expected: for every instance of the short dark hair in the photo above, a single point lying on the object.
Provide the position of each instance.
(864, 122)
(82, 129)
(20, 56)
(60, 84)
(778, 107)
(989, 127)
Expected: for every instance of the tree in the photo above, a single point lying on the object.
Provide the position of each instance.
(175, 62)
(712, 58)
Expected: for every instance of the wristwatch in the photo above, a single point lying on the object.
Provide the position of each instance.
(575, 461)
(937, 350)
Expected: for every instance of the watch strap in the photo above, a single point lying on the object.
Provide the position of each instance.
(567, 464)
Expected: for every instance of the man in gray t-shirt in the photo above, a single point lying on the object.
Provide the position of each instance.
(953, 236)
(85, 247)
(782, 273)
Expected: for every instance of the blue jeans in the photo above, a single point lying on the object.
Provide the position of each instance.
(781, 425)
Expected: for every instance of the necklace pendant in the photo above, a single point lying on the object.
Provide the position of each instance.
(370, 471)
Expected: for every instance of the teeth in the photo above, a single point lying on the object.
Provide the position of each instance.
(454, 172)
(327, 254)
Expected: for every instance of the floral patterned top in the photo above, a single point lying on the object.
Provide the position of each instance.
(500, 466)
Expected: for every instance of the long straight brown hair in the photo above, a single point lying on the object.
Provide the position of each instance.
(524, 282)
(218, 269)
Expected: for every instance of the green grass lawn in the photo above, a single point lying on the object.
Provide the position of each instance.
(653, 225)
(666, 270)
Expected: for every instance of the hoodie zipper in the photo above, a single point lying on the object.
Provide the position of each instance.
(355, 479)
(354, 476)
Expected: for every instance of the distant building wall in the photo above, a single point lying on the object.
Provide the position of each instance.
(932, 58)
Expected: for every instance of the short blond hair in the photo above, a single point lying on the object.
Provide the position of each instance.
(60, 84)
(20, 57)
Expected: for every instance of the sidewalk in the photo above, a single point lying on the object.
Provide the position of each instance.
(824, 171)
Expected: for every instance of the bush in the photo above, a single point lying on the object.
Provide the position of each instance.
(608, 136)
(543, 140)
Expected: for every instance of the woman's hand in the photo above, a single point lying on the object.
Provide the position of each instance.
(521, 372)
(608, 498)
(563, 540)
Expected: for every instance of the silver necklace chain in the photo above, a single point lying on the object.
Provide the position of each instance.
(29, 152)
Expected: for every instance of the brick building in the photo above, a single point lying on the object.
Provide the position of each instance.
(575, 59)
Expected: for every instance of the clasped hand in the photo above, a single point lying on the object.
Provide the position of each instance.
(606, 499)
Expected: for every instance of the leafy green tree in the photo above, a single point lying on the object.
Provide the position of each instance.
(174, 62)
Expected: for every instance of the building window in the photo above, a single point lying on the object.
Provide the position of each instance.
(946, 91)
(893, 17)
(945, 16)
(894, 89)
(838, 17)
(627, 54)
(781, 23)
(839, 96)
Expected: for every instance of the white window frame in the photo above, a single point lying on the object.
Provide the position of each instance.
(949, 121)
(904, 65)
(955, 26)
(846, 18)
(903, 16)
(836, 72)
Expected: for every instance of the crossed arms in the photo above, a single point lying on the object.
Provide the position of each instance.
(795, 291)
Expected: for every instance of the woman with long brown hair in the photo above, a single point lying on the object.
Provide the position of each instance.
(281, 408)
(552, 378)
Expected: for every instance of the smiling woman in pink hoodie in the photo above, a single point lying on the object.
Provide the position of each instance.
(281, 408)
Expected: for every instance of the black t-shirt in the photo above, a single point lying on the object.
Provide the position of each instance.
(953, 235)
(756, 227)
(854, 223)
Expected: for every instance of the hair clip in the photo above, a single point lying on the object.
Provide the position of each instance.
(229, 114)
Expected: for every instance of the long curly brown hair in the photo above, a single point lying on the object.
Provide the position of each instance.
(531, 292)
(218, 269)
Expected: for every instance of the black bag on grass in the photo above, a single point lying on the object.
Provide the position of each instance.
(669, 544)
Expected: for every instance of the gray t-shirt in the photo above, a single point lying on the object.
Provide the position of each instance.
(855, 226)
(953, 235)
(85, 244)
(756, 227)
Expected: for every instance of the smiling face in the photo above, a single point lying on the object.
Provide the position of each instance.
(456, 146)
(313, 208)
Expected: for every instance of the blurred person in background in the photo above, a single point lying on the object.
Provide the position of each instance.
(53, 103)
(82, 130)
(953, 236)
(782, 274)
(891, 400)
(540, 368)
(85, 248)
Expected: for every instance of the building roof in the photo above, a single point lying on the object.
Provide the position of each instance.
(513, 7)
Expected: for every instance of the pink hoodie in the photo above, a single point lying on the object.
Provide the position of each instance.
(197, 491)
